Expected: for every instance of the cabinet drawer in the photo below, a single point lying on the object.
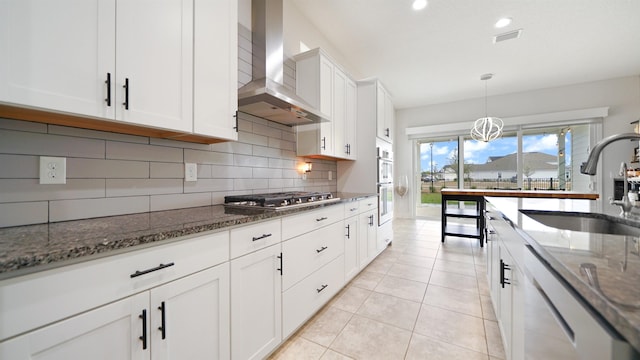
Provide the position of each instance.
(293, 226)
(37, 299)
(254, 237)
(305, 254)
(301, 301)
(351, 208)
(368, 204)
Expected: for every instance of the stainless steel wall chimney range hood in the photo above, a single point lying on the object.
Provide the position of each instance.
(266, 96)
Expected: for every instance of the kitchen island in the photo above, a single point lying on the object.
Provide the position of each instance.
(616, 257)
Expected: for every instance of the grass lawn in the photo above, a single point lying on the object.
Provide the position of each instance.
(431, 198)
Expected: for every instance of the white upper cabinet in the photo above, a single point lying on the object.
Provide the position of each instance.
(324, 85)
(215, 77)
(167, 64)
(154, 62)
(385, 114)
(58, 54)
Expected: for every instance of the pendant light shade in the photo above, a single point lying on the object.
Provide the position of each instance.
(486, 128)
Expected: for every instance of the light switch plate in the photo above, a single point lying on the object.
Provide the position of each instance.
(190, 172)
(53, 170)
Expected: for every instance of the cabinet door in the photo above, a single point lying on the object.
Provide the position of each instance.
(368, 233)
(351, 119)
(339, 113)
(327, 137)
(381, 130)
(351, 263)
(215, 78)
(57, 54)
(505, 308)
(256, 299)
(154, 52)
(108, 332)
(190, 316)
(389, 117)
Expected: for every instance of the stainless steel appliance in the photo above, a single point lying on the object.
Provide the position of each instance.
(279, 200)
(558, 325)
(385, 183)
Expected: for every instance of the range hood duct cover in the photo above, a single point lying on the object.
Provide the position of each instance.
(266, 96)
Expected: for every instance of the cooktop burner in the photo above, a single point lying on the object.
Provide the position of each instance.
(279, 200)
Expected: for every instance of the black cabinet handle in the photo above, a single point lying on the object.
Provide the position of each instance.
(353, 209)
(324, 143)
(108, 82)
(370, 220)
(261, 237)
(322, 218)
(143, 316)
(321, 249)
(159, 267)
(236, 116)
(280, 269)
(504, 280)
(349, 231)
(386, 132)
(163, 325)
(322, 288)
(126, 94)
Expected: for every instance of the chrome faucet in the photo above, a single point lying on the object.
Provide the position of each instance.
(590, 166)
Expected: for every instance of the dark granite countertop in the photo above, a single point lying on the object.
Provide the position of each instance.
(616, 258)
(32, 248)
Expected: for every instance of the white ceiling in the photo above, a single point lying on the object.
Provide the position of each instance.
(438, 54)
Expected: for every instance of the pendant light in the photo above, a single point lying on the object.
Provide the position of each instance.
(486, 128)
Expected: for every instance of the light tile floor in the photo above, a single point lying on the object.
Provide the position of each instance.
(419, 299)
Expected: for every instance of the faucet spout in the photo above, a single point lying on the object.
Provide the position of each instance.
(589, 167)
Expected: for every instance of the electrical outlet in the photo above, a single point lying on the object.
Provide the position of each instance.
(330, 175)
(53, 170)
(190, 172)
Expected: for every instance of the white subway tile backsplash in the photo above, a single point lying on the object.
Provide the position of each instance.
(255, 185)
(19, 166)
(179, 201)
(268, 131)
(252, 161)
(25, 190)
(231, 172)
(267, 173)
(28, 143)
(94, 134)
(253, 139)
(161, 170)
(63, 210)
(208, 185)
(207, 157)
(24, 213)
(135, 187)
(19, 125)
(106, 169)
(204, 171)
(266, 151)
(127, 151)
(244, 125)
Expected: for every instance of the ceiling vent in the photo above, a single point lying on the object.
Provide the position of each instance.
(507, 36)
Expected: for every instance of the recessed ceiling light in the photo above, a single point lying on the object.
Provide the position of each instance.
(419, 4)
(503, 22)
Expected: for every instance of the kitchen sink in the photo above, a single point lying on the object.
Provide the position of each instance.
(584, 221)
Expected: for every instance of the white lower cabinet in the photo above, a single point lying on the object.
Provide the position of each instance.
(184, 319)
(307, 296)
(351, 258)
(368, 237)
(256, 303)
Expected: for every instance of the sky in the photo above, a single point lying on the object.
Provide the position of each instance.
(477, 152)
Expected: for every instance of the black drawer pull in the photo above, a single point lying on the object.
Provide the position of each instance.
(504, 280)
(322, 218)
(261, 237)
(143, 316)
(126, 94)
(108, 82)
(163, 326)
(159, 267)
(321, 249)
(281, 267)
(348, 231)
(322, 288)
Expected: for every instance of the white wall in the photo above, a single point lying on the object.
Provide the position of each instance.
(622, 95)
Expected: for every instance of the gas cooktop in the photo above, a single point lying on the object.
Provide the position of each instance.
(281, 200)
